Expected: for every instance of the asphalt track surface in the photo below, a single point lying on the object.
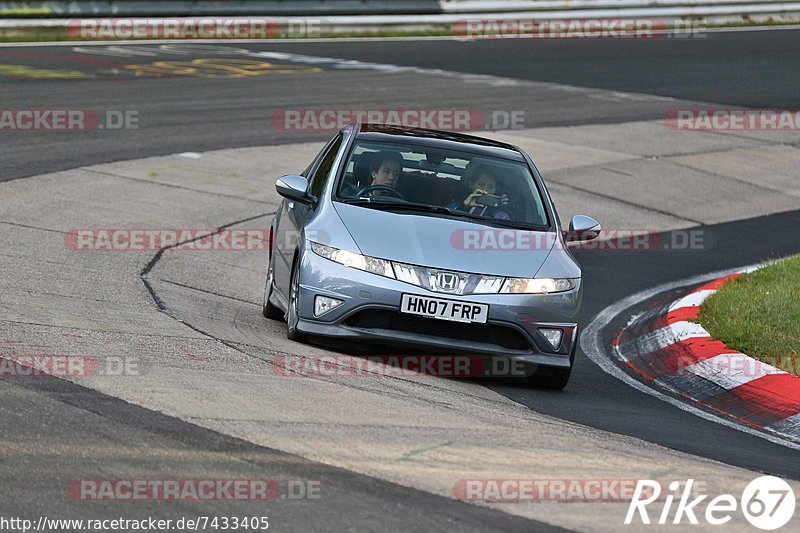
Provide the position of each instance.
(179, 113)
(601, 403)
(742, 69)
(104, 434)
(745, 69)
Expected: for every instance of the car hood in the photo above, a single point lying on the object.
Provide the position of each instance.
(452, 244)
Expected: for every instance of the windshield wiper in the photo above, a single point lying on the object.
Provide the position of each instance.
(515, 224)
(404, 206)
(413, 207)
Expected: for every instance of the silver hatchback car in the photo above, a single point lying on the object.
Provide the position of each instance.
(431, 241)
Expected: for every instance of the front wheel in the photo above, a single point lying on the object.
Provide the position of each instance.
(270, 311)
(553, 378)
(292, 316)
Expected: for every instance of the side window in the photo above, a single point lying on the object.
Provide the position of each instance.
(315, 162)
(319, 177)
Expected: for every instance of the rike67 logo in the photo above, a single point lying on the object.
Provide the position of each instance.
(767, 503)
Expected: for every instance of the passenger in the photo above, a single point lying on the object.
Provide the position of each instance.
(481, 180)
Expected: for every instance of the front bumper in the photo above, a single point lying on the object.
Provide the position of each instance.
(370, 314)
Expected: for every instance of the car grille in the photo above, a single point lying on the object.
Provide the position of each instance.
(481, 333)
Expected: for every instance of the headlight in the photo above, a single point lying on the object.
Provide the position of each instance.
(488, 285)
(354, 260)
(537, 285)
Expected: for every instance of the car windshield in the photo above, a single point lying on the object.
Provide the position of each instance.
(440, 182)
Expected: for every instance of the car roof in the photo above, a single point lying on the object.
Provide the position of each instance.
(443, 140)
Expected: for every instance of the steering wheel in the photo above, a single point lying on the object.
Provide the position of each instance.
(382, 188)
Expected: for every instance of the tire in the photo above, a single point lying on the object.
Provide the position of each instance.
(553, 378)
(270, 311)
(292, 317)
(556, 379)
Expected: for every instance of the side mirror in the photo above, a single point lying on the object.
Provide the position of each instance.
(294, 188)
(582, 228)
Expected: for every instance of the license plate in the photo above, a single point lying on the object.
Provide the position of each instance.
(453, 310)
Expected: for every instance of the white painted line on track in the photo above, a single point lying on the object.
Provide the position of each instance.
(595, 348)
(667, 336)
(684, 330)
(788, 425)
(731, 370)
(692, 300)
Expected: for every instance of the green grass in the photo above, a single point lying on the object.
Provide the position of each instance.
(36, 37)
(759, 314)
(62, 35)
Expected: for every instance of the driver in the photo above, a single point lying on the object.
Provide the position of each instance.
(385, 169)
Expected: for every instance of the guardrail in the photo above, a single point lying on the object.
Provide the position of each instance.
(498, 6)
(133, 8)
